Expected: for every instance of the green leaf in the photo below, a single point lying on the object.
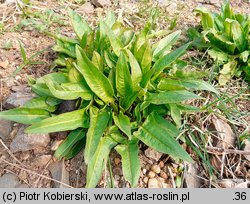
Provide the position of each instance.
(97, 82)
(23, 52)
(62, 122)
(207, 20)
(57, 77)
(218, 56)
(170, 84)
(227, 72)
(165, 44)
(123, 123)
(165, 61)
(41, 103)
(98, 61)
(136, 73)
(96, 164)
(144, 56)
(24, 115)
(170, 97)
(69, 91)
(41, 90)
(123, 79)
(80, 26)
(130, 161)
(75, 149)
(98, 123)
(238, 36)
(175, 114)
(114, 41)
(157, 133)
(66, 146)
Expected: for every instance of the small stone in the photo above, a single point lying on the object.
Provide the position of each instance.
(153, 183)
(163, 175)
(59, 173)
(86, 8)
(23, 175)
(22, 186)
(151, 174)
(17, 99)
(153, 154)
(25, 142)
(5, 129)
(161, 164)
(156, 169)
(191, 180)
(247, 149)
(101, 3)
(56, 144)
(117, 161)
(144, 171)
(42, 161)
(145, 180)
(8, 181)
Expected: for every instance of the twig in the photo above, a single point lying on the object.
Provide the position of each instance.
(11, 154)
(34, 173)
(220, 151)
(171, 177)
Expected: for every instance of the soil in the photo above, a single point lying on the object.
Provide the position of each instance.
(23, 164)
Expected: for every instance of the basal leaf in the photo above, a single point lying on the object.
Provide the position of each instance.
(165, 44)
(41, 103)
(123, 123)
(97, 82)
(166, 60)
(130, 161)
(171, 84)
(170, 97)
(207, 20)
(114, 41)
(24, 115)
(155, 133)
(69, 91)
(123, 79)
(96, 164)
(65, 147)
(136, 73)
(80, 26)
(62, 122)
(98, 123)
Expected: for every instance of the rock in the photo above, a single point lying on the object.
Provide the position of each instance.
(59, 173)
(154, 183)
(22, 186)
(101, 3)
(156, 169)
(8, 181)
(247, 149)
(144, 171)
(233, 183)
(163, 175)
(151, 174)
(153, 154)
(145, 180)
(86, 8)
(17, 99)
(25, 142)
(42, 161)
(191, 180)
(5, 129)
(224, 133)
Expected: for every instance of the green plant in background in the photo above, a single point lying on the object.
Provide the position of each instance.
(227, 35)
(123, 86)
